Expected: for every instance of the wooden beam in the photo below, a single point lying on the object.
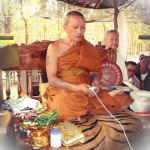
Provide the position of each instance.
(144, 37)
(116, 11)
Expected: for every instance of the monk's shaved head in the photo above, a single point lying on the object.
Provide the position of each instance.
(71, 13)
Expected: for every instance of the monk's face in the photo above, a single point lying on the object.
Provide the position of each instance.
(75, 28)
(112, 41)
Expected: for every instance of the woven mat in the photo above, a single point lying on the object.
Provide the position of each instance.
(144, 121)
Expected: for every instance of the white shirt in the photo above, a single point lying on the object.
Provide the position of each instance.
(134, 80)
(121, 63)
(143, 76)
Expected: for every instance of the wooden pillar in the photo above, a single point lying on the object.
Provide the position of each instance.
(30, 88)
(116, 11)
(7, 85)
(1, 89)
(40, 79)
(13, 78)
(19, 82)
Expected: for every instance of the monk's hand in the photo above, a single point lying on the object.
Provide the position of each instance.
(116, 92)
(96, 90)
(90, 93)
(97, 87)
(85, 88)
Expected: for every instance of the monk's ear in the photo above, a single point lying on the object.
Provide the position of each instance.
(105, 40)
(65, 27)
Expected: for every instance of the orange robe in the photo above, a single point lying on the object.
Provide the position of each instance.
(74, 67)
(107, 54)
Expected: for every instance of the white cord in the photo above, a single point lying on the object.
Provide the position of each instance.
(92, 88)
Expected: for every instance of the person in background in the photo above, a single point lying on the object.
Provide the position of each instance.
(149, 63)
(138, 64)
(73, 66)
(110, 52)
(131, 70)
(143, 74)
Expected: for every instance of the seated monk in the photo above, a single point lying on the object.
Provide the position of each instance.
(73, 66)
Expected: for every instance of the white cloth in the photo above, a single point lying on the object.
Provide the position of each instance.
(121, 63)
(135, 81)
(141, 101)
(27, 102)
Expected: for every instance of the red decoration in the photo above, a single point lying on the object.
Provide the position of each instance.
(111, 74)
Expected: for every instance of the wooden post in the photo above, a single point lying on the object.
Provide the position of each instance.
(19, 83)
(30, 88)
(7, 85)
(1, 89)
(116, 11)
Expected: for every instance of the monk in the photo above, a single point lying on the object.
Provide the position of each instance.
(73, 66)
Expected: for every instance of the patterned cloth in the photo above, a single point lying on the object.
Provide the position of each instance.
(102, 132)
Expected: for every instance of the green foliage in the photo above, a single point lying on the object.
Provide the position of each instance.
(43, 120)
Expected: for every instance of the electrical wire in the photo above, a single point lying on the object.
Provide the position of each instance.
(112, 116)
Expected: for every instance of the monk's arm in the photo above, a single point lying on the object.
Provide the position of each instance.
(60, 84)
(51, 69)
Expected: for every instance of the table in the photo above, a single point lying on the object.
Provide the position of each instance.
(22, 141)
(21, 144)
(143, 145)
(14, 142)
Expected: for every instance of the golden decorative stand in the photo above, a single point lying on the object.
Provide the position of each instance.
(39, 134)
(39, 138)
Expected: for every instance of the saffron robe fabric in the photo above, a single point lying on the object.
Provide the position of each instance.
(109, 54)
(74, 67)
